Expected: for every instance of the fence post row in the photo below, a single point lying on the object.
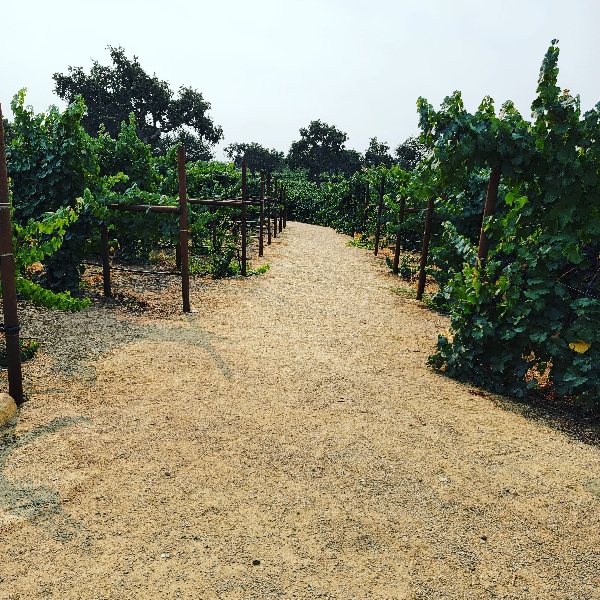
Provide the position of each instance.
(484, 242)
(11, 326)
(182, 247)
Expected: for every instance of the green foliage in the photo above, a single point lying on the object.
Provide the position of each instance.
(257, 157)
(527, 317)
(41, 296)
(127, 155)
(260, 270)
(28, 349)
(361, 241)
(529, 314)
(410, 153)
(35, 242)
(8, 130)
(49, 158)
(113, 92)
(223, 264)
(378, 154)
(322, 149)
(51, 163)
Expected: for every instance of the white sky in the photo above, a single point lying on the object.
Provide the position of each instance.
(269, 67)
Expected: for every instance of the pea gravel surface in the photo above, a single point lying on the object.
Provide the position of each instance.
(284, 440)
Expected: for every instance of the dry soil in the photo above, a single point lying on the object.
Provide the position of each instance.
(285, 440)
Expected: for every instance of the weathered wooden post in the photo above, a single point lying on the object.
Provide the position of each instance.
(379, 211)
(285, 208)
(365, 216)
(425, 249)
(9, 291)
(275, 207)
(183, 230)
(281, 207)
(398, 237)
(105, 255)
(244, 231)
(269, 209)
(352, 216)
(213, 225)
(261, 223)
(488, 210)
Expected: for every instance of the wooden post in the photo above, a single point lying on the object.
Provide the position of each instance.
(261, 222)
(353, 216)
(425, 250)
(105, 254)
(285, 208)
(244, 232)
(379, 211)
(398, 237)
(9, 290)
(489, 209)
(281, 208)
(183, 230)
(269, 209)
(366, 209)
(275, 207)
(213, 224)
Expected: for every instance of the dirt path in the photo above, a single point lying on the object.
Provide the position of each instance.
(288, 440)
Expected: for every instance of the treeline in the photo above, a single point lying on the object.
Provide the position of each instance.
(163, 118)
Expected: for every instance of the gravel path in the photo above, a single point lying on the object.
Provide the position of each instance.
(285, 440)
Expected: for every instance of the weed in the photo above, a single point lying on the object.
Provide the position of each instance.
(361, 241)
(28, 349)
(404, 292)
(260, 270)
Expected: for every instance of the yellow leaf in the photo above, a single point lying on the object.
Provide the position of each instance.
(580, 346)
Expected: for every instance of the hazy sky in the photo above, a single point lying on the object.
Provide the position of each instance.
(269, 67)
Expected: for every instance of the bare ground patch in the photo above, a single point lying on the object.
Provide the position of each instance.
(285, 440)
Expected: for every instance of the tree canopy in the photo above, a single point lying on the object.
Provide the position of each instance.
(257, 157)
(111, 93)
(322, 149)
(8, 130)
(410, 153)
(378, 154)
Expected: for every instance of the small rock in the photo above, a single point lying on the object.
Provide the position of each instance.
(256, 562)
(8, 408)
(165, 555)
(484, 538)
(593, 487)
(167, 473)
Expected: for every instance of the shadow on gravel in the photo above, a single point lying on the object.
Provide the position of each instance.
(38, 504)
